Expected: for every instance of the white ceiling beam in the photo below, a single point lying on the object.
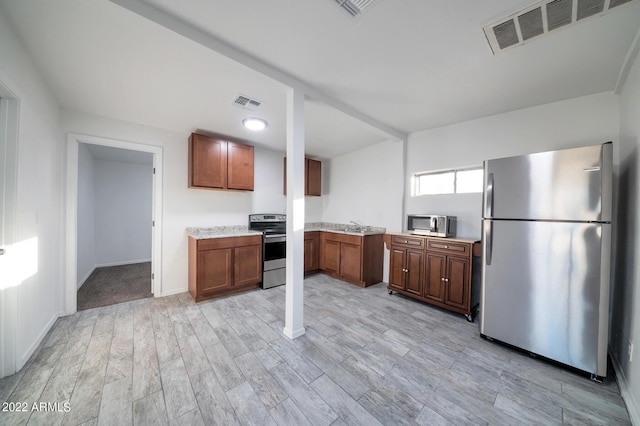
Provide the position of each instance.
(628, 62)
(217, 45)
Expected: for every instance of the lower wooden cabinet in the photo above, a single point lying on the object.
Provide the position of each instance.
(352, 258)
(407, 265)
(434, 270)
(434, 283)
(311, 251)
(221, 266)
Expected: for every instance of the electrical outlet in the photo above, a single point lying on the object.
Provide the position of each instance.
(630, 350)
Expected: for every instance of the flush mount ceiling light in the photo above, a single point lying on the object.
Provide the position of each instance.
(254, 123)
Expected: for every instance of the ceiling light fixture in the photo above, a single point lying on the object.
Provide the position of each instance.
(254, 123)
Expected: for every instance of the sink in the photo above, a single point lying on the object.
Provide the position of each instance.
(354, 231)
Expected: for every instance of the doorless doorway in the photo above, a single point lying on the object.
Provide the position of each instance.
(74, 142)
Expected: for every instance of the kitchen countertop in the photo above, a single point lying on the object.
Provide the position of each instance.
(342, 228)
(202, 233)
(462, 240)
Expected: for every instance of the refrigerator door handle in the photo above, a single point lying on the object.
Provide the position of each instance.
(488, 238)
(489, 206)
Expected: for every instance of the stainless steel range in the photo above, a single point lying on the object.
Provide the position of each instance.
(274, 247)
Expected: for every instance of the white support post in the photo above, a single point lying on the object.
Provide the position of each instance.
(294, 324)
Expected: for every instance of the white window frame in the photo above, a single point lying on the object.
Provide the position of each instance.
(415, 180)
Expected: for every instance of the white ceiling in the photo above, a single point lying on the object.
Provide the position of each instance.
(411, 65)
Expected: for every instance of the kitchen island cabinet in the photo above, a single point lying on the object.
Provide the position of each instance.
(215, 163)
(222, 266)
(356, 259)
(406, 264)
(435, 270)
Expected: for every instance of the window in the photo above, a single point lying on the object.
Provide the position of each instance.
(455, 181)
(470, 180)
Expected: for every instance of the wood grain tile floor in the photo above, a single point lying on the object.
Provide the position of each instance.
(367, 358)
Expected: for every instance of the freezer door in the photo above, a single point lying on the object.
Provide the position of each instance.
(571, 184)
(545, 289)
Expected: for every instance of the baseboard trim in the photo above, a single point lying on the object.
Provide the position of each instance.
(125, 262)
(36, 344)
(86, 277)
(106, 265)
(627, 396)
(172, 292)
(292, 334)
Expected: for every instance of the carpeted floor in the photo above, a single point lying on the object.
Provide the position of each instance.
(115, 284)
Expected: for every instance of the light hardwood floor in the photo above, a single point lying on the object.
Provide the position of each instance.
(367, 358)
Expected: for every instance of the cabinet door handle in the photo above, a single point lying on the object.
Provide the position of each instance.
(446, 247)
(406, 242)
(446, 280)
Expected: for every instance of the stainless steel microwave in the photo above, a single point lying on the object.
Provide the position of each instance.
(433, 225)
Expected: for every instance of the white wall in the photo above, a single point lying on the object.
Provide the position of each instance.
(366, 186)
(625, 302)
(86, 215)
(123, 197)
(587, 120)
(268, 196)
(40, 195)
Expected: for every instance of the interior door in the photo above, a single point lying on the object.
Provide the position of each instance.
(8, 195)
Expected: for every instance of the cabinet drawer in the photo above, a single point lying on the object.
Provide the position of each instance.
(219, 243)
(413, 242)
(449, 247)
(342, 238)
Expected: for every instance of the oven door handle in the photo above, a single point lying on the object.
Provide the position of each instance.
(279, 239)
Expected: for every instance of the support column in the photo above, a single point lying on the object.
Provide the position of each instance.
(294, 324)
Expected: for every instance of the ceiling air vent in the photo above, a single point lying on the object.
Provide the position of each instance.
(246, 102)
(354, 7)
(542, 18)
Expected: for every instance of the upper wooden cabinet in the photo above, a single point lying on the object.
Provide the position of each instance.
(216, 163)
(312, 177)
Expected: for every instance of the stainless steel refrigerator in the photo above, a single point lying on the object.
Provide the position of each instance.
(546, 254)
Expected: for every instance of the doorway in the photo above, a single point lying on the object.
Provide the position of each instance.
(115, 188)
(108, 150)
